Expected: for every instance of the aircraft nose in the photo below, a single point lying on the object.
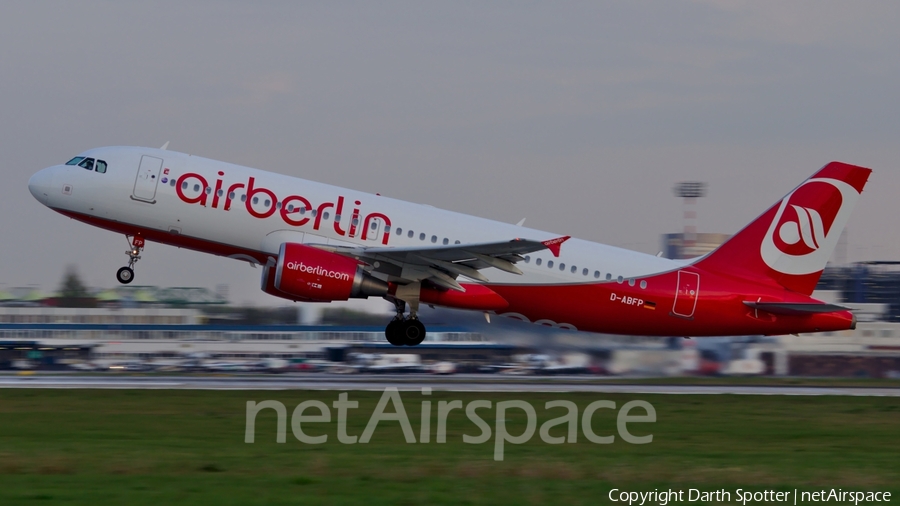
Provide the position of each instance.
(39, 185)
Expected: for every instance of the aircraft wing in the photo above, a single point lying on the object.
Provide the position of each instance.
(443, 264)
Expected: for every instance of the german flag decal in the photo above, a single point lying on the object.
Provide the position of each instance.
(649, 305)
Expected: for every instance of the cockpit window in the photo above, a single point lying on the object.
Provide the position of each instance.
(87, 163)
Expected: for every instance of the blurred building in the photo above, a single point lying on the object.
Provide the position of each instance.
(124, 296)
(865, 283)
(53, 338)
(675, 245)
(26, 354)
(152, 315)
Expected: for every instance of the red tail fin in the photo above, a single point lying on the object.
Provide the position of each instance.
(792, 241)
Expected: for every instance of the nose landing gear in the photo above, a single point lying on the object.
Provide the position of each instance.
(125, 275)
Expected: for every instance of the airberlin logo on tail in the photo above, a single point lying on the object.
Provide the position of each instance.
(806, 227)
(317, 270)
(803, 228)
(809, 227)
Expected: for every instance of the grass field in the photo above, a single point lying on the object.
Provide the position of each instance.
(187, 447)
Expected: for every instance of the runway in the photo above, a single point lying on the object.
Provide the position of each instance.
(413, 382)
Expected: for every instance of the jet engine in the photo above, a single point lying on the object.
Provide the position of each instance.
(303, 273)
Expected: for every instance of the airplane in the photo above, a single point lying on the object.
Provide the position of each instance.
(321, 243)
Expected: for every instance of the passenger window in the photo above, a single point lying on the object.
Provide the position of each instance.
(410, 234)
(100, 167)
(220, 192)
(256, 200)
(537, 261)
(574, 269)
(527, 259)
(75, 161)
(422, 236)
(550, 264)
(434, 239)
(324, 215)
(631, 282)
(196, 187)
(585, 272)
(446, 241)
(399, 231)
(231, 196)
(643, 285)
(387, 229)
(87, 163)
(562, 267)
(456, 242)
(597, 274)
(608, 276)
(244, 198)
(620, 279)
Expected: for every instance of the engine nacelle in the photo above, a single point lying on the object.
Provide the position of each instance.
(303, 273)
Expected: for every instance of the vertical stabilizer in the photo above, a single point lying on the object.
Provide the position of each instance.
(792, 241)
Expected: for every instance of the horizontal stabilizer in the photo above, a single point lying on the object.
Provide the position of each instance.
(795, 308)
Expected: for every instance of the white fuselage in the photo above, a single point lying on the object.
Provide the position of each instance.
(112, 196)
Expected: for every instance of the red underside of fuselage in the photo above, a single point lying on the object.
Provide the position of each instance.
(715, 308)
(172, 239)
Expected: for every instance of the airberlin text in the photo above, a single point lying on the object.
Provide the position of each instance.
(317, 270)
(295, 210)
(559, 430)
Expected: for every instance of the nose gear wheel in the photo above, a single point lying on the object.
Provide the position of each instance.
(125, 274)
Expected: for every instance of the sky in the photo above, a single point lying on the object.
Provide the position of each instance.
(578, 116)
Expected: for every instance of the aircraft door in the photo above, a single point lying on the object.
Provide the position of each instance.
(686, 294)
(374, 230)
(147, 179)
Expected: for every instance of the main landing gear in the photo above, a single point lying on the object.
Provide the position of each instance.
(404, 331)
(125, 275)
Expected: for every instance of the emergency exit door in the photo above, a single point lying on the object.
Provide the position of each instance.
(147, 179)
(373, 230)
(686, 294)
